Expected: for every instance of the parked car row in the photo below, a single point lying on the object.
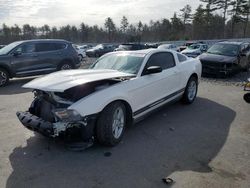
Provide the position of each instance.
(36, 57)
(119, 88)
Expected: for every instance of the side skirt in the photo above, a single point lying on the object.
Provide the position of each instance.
(152, 107)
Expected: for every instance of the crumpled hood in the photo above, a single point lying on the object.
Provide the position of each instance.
(217, 58)
(63, 80)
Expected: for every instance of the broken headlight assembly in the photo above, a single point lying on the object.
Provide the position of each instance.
(247, 86)
(67, 115)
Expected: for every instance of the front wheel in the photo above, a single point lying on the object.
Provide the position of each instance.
(111, 124)
(190, 91)
(4, 77)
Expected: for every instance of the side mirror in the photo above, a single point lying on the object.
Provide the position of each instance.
(17, 53)
(153, 70)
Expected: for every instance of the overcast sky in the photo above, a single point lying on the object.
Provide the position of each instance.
(73, 12)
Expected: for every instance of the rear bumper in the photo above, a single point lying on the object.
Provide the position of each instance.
(35, 123)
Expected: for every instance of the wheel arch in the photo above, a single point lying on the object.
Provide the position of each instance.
(194, 75)
(6, 68)
(129, 111)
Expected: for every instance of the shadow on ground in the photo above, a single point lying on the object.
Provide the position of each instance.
(176, 138)
(15, 86)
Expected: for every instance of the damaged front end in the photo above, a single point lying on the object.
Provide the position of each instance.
(50, 116)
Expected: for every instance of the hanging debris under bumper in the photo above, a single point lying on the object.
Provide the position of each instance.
(35, 123)
(49, 129)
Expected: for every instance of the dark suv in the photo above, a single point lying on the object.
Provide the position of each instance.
(36, 57)
(226, 58)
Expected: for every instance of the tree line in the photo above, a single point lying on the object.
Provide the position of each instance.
(214, 19)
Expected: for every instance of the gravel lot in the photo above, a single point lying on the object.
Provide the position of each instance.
(206, 144)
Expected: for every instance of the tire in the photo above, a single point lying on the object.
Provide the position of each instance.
(190, 91)
(109, 130)
(4, 77)
(80, 57)
(65, 66)
(246, 97)
(245, 69)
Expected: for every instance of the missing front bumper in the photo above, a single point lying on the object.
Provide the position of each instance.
(49, 129)
(35, 123)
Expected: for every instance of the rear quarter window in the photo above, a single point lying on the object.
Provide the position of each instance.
(60, 46)
(181, 57)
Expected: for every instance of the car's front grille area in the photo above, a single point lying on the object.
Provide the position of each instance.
(212, 64)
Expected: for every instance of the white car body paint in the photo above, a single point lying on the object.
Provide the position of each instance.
(142, 93)
(63, 80)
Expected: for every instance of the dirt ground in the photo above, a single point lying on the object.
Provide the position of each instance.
(206, 144)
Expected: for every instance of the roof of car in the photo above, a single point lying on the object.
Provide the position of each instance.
(232, 42)
(45, 40)
(144, 51)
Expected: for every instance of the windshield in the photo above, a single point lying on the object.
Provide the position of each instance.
(194, 46)
(128, 63)
(224, 49)
(5, 50)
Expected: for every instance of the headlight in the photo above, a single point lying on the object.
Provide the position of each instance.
(247, 86)
(67, 115)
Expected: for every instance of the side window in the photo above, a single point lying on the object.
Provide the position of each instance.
(26, 48)
(60, 46)
(165, 60)
(45, 47)
(181, 58)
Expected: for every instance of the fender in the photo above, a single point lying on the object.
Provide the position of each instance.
(96, 102)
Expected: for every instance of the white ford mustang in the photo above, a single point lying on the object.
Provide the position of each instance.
(118, 89)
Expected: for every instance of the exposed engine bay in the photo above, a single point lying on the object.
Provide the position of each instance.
(48, 113)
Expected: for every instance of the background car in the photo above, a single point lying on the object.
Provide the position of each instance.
(81, 50)
(189, 43)
(118, 89)
(169, 47)
(195, 50)
(226, 58)
(1, 46)
(130, 47)
(35, 57)
(99, 50)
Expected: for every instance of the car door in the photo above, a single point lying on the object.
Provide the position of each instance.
(49, 56)
(24, 58)
(153, 89)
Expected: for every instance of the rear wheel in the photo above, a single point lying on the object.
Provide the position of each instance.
(4, 77)
(111, 124)
(65, 66)
(190, 91)
(80, 57)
